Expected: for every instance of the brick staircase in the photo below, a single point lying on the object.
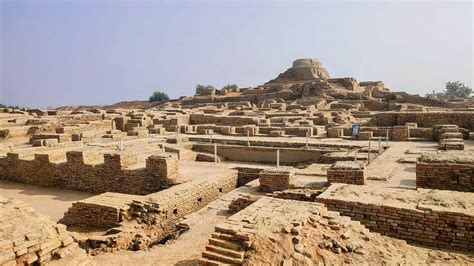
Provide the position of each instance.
(222, 250)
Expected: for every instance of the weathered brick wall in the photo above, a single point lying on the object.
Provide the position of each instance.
(346, 172)
(365, 135)
(447, 171)
(274, 179)
(159, 212)
(432, 228)
(163, 210)
(247, 174)
(335, 132)
(424, 133)
(423, 119)
(81, 172)
(400, 133)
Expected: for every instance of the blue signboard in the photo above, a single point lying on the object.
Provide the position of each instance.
(355, 130)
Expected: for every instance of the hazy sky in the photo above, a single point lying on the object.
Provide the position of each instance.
(98, 52)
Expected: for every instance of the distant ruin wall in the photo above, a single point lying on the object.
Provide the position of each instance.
(196, 119)
(77, 174)
(432, 228)
(263, 154)
(462, 119)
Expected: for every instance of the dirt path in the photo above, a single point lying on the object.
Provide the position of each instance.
(386, 170)
(50, 201)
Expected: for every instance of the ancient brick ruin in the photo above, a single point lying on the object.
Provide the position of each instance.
(302, 169)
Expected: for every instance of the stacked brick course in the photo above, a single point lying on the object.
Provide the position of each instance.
(365, 135)
(464, 119)
(423, 225)
(84, 171)
(346, 172)
(400, 133)
(335, 132)
(448, 171)
(274, 179)
(134, 217)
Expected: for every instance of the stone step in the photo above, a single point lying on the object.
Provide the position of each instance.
(226, 251)
(225, 243)
(223, 236)
(221, 257)
(210, 262)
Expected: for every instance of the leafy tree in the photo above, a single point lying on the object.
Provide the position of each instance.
(159, 96)
(452, 89)
(457, 89)
(434, 95)
(9, 106)
(201, 89)
(229, 86)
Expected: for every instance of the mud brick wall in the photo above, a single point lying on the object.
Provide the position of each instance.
(163, 210)
(275, 179)
(227, 130)
(60, 137)
(462, 119)
(250, 130)
(335, 132)
(424, 133)
(365, 135)
(247, 174)
(196, 119)
(346, 172)
(431, 228)
(84, 171)
(400, 133)
(91, 215)
(447, 176)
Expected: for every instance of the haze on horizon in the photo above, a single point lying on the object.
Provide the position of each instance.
(55, 53)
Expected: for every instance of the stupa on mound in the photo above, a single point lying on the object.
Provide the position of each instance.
(306, 69)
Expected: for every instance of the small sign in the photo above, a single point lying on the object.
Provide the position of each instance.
(355, 130)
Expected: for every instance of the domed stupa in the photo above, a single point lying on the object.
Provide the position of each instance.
(305, 69)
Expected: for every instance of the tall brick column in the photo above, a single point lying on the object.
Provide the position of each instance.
(163, 166)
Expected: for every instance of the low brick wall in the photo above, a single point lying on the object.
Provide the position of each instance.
(365, 135)
(464, 119)
(335, 132)
(400, 133)
(274, 179)
(247, 174)
(448, 171)
(135, 217)
(346, 172)
(84, 171)
(434, 228)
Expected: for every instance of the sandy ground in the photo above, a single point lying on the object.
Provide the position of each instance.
(50, 201)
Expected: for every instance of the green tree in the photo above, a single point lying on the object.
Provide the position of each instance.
(457, 89)
(159, 96)
(229, 86)
(452, 89)
(201, 89)
(9, 106)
